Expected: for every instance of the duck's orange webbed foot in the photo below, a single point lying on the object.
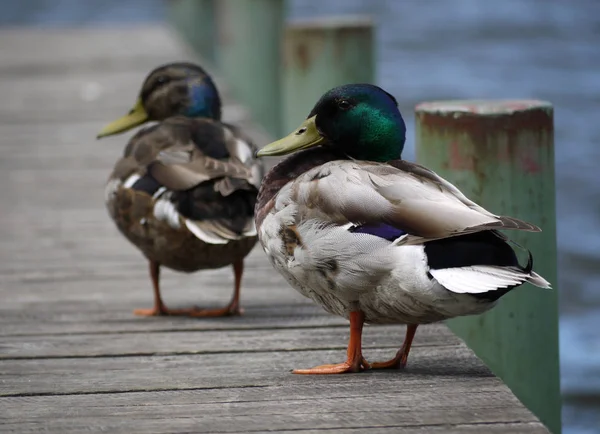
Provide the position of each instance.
(155, 311)
(159, 309)
(229, 310)
(355, 361)
(233, 308)
(338, 368)
(191, 312)
(399, 362)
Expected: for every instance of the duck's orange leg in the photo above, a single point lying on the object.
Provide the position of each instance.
(233, 308)
(159, 307)
(399, 361)
(355, 361)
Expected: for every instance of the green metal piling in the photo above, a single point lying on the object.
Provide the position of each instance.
(195, 21)
(501, 155)
(249, 55)
(320, 54)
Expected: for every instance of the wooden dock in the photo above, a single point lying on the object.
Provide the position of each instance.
(74, 359)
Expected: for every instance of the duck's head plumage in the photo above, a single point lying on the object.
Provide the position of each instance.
(360, 120)
(175, 89)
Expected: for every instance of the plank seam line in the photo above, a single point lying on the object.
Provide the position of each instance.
(425, 425)
(199, 353)
(184, 330)
(116, 392)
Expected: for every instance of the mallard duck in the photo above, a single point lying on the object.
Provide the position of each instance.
(184, 191)
(374, 238)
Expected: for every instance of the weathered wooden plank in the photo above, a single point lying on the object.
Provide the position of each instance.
(254, 318)
(289, 406)
(125, 279)
(199, 425)
(47, 51)
(84, 96)
(495, 428)
(427, 367)
(53, 258)
(209, 341)
(90, 316)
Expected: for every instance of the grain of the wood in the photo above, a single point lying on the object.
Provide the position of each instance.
(209, 341)
(77, 97)
(69, 281)
(475, 428)
(268, 408)
(81, 318)
(427, 367)
(53, 52)
(197, 425)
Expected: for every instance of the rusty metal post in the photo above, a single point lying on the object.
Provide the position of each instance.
(195, 21)
(501, 155)
(248, 55)
(321, 54)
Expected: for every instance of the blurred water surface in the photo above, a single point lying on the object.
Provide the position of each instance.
(438, 49)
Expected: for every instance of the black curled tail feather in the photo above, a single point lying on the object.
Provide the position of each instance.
(205, 203)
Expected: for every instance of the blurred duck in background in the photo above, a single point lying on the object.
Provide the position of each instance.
(185, 189)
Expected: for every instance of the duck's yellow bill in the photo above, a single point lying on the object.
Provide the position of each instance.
(306, 136)
(135, 117)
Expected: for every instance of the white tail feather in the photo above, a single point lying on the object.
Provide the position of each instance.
(539, 281)
(483, 278)
(250, 229)
(165, 210)
(128, 183)
(204, 235)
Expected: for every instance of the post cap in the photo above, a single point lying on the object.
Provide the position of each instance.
(331, 23)
(483, 107)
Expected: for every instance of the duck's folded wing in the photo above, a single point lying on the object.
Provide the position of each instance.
(402, 194)
(200, 173)
(183, 176)
(215, 152)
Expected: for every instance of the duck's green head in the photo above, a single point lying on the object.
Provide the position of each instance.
(361, 120)
(174, 89)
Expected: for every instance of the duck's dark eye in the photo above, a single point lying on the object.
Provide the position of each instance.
(344, 104)
(161, 79)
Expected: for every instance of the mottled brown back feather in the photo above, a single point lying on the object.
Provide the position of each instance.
(190, 157)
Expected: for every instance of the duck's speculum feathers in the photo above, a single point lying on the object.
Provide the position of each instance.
(380, 230)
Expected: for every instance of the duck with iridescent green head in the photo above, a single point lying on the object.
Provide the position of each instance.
(185, 189)
(374, 238)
